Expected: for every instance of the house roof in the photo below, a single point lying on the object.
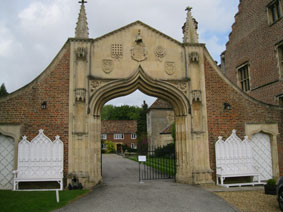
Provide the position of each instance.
(161, 104)
(167, 130)
(118, 126)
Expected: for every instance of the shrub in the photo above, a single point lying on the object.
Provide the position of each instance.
(129, 149)
(271, 182)
(165, 151)
(110, 147)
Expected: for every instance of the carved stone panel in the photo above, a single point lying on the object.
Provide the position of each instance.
(196, 96)
(181, 85)
(107, 66)
(80, 94)
(81, 53)
(194, 57)
(139, 52)
(160, 53)
(94, 84)
(117, 51)
(170, 68)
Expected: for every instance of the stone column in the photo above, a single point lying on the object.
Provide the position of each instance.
(183, 150)
(199, 134)
(78, 107)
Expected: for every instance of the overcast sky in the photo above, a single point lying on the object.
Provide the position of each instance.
(33, 31)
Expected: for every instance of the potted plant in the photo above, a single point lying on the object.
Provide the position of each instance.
(270, 187)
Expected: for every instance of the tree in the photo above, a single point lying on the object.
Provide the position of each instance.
(3, 91)
(110, 147)
(142, 128)
(124, 112)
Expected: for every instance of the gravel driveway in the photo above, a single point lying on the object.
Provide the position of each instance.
(121, 192)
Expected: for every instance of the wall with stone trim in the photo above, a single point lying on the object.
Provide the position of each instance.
(23, 107)
(244, 110)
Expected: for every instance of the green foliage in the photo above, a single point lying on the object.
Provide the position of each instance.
(173, 132)
(271, 183)
(142, 129)
(165, 151)
(124, 112)
(34, 201)
(3, 91)
(110, 147)
(127, 148)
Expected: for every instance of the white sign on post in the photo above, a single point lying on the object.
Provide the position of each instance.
(142, 158)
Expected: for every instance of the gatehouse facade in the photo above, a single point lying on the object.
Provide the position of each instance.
(67, 98)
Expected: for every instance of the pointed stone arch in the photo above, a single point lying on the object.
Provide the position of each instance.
(140, 80)
(158, 88)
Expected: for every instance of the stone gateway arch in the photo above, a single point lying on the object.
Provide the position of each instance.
(138, 57)
(87, 73)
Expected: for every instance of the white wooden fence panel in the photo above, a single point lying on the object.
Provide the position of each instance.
(40, 159)
(234, 158)
(6, 162)
(262, 154)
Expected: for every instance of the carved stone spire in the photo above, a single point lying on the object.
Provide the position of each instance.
(190, 28)
(82, 25)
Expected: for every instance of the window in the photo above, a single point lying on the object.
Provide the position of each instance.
(281, 100)
(118, 136)
(274, 11)
(280, 59)
(133, 136)
(103, 146)
(244, 77)
(133, 146)
(103, 136)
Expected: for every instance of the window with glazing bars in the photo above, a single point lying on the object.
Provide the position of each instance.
(274, 11)
(244, 78)
(118, 136)
(280, 57)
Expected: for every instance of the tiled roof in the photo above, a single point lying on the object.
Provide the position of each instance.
(167, 130)
(161, 104)
(118, 126)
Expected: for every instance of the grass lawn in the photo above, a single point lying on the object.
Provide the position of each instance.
(35, 201)
(163, 164)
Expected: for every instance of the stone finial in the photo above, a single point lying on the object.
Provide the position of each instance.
(190, 28)
(82, 25)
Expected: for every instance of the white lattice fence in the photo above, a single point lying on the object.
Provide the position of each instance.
(261, 147)
(40, 160)
(6, 162)
(234, 158)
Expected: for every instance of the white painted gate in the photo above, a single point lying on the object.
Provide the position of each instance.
(6, 162)
(262, 154)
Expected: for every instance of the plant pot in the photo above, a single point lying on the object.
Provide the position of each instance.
(270, 189)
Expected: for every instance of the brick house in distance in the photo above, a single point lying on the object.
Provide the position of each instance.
(120, 132)
(253, 59)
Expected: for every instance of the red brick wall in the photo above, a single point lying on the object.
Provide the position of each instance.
(127, 139)
(221, 122)
(253, 39)
(24, 106)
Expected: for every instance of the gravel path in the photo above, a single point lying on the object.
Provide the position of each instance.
(246, 199)
(251, 201)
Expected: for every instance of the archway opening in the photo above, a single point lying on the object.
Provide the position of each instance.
(160, 89)
(137, 125)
